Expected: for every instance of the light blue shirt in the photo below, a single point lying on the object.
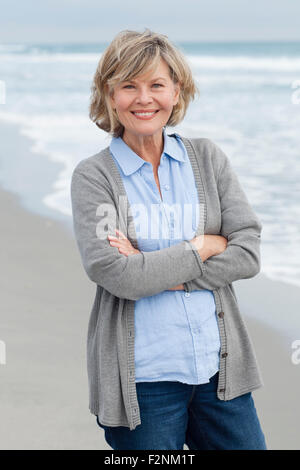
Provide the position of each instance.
(176, 332)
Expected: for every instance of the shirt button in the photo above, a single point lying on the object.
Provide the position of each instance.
(167, 187)
(187, 294)
(221, 314)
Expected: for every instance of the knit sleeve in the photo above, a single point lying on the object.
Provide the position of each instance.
(96, 215)
(240, 226)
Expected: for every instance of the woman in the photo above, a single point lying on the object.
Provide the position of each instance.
(163, 229)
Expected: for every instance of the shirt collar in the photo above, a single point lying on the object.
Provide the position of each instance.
(130, 162)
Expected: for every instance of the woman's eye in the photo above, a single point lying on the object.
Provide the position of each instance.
(158, 84)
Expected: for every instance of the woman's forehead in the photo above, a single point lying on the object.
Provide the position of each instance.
(150, 72)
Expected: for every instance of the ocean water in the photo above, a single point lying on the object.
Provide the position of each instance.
(249, 105)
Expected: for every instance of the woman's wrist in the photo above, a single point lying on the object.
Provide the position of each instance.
(179, 287)
(201, 243)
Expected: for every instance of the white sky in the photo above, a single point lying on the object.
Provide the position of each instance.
(190, 20)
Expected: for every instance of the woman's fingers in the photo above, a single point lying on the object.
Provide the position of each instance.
(122, 243)
(118, 241)
(125, 249)
(122, 236)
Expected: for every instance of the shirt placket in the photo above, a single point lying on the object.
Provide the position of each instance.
(164, 179)
(163, 175)
(198, 338)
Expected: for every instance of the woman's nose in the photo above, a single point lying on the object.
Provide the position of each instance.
(144, 96)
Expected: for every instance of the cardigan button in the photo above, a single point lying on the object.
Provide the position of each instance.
(221, 314)
(225, 354)
(222, 390)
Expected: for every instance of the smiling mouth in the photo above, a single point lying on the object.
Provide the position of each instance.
(145, 116)
(146, 113)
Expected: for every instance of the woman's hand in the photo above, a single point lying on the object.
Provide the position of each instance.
(122, 243)
(209, 245)
(218, 244)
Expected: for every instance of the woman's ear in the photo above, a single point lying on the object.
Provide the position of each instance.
(110, 94)
(176, 93)
(112, 101)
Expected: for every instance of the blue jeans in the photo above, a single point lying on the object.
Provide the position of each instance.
(174, 414)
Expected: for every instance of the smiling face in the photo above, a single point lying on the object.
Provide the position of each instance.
(154, 93)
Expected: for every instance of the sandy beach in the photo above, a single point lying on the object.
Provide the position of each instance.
(46, 298)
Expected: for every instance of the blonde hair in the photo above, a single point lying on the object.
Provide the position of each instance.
(130, 54)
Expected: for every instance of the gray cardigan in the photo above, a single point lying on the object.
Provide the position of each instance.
(120, 280)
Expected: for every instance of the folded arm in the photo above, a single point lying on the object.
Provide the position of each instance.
(242, 229)
(129, 277)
